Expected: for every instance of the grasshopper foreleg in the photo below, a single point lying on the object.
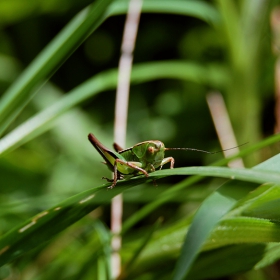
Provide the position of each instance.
(166, 160)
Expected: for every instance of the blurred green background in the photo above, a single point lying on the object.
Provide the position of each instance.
(226, 48)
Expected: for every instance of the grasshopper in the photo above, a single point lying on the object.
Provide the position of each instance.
(142, 158)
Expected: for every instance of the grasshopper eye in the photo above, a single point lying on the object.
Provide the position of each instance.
(151, 150)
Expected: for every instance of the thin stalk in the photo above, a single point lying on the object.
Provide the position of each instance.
(275, 29)
(223, 126)
(121, 110)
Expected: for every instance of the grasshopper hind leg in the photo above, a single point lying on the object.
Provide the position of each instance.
(117, 176)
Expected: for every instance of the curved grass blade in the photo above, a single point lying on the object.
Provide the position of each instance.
(47, 224)
(164, 245)
(45, 64)
(198, 9)
(246, 230)
(206, 218)
(209, 214)
(21, 91)
(251, 175)
(173, 192)
(105, 81)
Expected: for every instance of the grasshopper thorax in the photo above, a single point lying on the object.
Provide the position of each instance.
(150, 152)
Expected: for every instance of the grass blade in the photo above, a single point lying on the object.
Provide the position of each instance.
(21, 91)
(208, 215)
(47, 224)
(104, 81)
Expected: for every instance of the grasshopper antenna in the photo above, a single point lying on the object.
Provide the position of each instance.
(202, 151)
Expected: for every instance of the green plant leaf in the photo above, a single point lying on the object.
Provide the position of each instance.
(47, 224)
(105, 81)
(21, 91)
(81, 26)
(173, 192)
(166, 244)
(198, 9)
(208, 215)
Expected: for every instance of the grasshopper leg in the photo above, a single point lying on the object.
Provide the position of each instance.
(118, 176)
(107, 179)
(166, 160)
(133, 166)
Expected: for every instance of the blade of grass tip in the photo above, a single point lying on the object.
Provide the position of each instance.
(209, 214)
(45, 64)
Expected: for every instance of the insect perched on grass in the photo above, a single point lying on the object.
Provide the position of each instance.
(142, 158)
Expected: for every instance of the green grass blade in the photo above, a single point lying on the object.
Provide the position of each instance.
(198, 9)
(208, 215)
(246, 230)
(130, 263)
(105, 81)
(45, 64)
(251, 175)
(47, 224)
(19, 94)
(173, 192)
(165, 244)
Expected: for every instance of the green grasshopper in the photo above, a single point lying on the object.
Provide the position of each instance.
(144, 157)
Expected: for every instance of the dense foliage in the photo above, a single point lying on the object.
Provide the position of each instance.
(58, 77)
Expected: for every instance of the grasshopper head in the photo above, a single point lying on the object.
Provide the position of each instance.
(155, 152)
